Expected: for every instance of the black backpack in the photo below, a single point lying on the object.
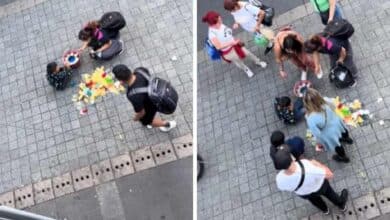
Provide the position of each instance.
(269, 12)
(341, 77)
(340, 29)
(112, 21)
(160, 92)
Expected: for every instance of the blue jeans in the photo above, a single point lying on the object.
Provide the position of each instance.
(299, 110)
(338, 14)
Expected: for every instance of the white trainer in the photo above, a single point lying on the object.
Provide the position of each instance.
(172, 125)
(320, 74)
(249, 73)
(262, 64)
(149, 126)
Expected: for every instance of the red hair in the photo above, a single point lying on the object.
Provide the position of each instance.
(211, 17)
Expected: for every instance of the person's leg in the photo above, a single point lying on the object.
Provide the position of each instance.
(340, 155)
(234, 58)
(329, 193)
(317, 201)
(348, 62)
(338, 13)
(254, 58)
(345, 137)
(299, 110)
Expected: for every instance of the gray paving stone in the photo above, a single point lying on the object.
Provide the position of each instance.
(63, 185)
(24, 197)
(43, 191)
(122, 165)
(383, 200)
(82, 178)
(8, 199)
(143, 159)
(366, 207)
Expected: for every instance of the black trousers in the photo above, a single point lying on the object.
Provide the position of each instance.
(340, 149)
(327, 191)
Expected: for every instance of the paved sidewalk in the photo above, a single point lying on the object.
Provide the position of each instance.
(41, 133)
(236, 118)
(159, 193)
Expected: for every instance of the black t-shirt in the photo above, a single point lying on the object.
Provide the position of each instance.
(100, 39)
(140, 101)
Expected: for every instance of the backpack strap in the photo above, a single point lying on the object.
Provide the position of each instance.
(143, 73)
(302, 177)
(138, 91)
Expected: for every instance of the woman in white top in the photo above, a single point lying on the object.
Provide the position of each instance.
(249, 17)
(312, 184)
(232, 50)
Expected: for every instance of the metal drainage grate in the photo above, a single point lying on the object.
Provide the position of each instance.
(7, 199)
(183, 146)
(24, 197)
(122, 165)
(366, 207)
(63, 185)
(349, 214)
(43, 191)
(383, 198)
(163, 153)
(102, 172)
(143, 159)
(82, 178)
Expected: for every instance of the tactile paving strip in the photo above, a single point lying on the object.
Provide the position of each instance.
(366, 207)
(349, 214)
(24, 197)
(183, 146)
(122, 165)
(383, 198)
(102, 172)
(7, 199)
(63, 185)
(43, 191)
(143, 159)
(82, 178)
(163, 153)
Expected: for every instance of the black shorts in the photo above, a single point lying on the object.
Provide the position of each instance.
(149, 116)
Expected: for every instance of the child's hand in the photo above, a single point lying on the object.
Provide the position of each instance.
(235, 26)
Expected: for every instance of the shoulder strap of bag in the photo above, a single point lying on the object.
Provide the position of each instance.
(302, 176)
(141, 89)
(318, 7)
(326, 120)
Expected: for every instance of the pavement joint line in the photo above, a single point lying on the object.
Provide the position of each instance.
(82, 178)
(18, 6)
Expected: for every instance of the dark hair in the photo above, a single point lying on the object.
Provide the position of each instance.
(122, 72)
(51, 67)
(211, 17)
(284, 101)
(313, 44)
(85, 34)
(277, 138)
(230, 5)
(282, 159)
(291, 43)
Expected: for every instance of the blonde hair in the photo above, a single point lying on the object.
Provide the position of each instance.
(313, 101)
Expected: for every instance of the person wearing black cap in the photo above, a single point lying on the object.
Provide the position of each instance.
(308, 179)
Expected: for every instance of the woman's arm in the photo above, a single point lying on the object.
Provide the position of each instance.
(84, 46)
(260, 18)
(217, 44)
(317, 64)
(342, 55)
(332, 8)
(104, 47)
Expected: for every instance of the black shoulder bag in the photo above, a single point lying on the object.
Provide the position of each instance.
(302, 177)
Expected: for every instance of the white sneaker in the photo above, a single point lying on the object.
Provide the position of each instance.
(172, 125)
(249, 73)
(303, 75)
(262, 64)
(320, 75)
(149, 126)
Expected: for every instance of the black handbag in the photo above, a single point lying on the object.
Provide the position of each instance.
(269, 12)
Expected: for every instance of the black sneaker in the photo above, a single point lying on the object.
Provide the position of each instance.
(347, 140)
(340, 159)
(268, 49)
(344, 197)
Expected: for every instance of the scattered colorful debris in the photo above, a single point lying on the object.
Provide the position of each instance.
(351, 112)
(95, 86)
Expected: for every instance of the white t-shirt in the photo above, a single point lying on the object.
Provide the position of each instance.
(247, 16)
(224, 34)
(314, 178)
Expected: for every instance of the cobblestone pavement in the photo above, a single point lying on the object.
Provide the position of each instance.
(42, 134)
(236, 118)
